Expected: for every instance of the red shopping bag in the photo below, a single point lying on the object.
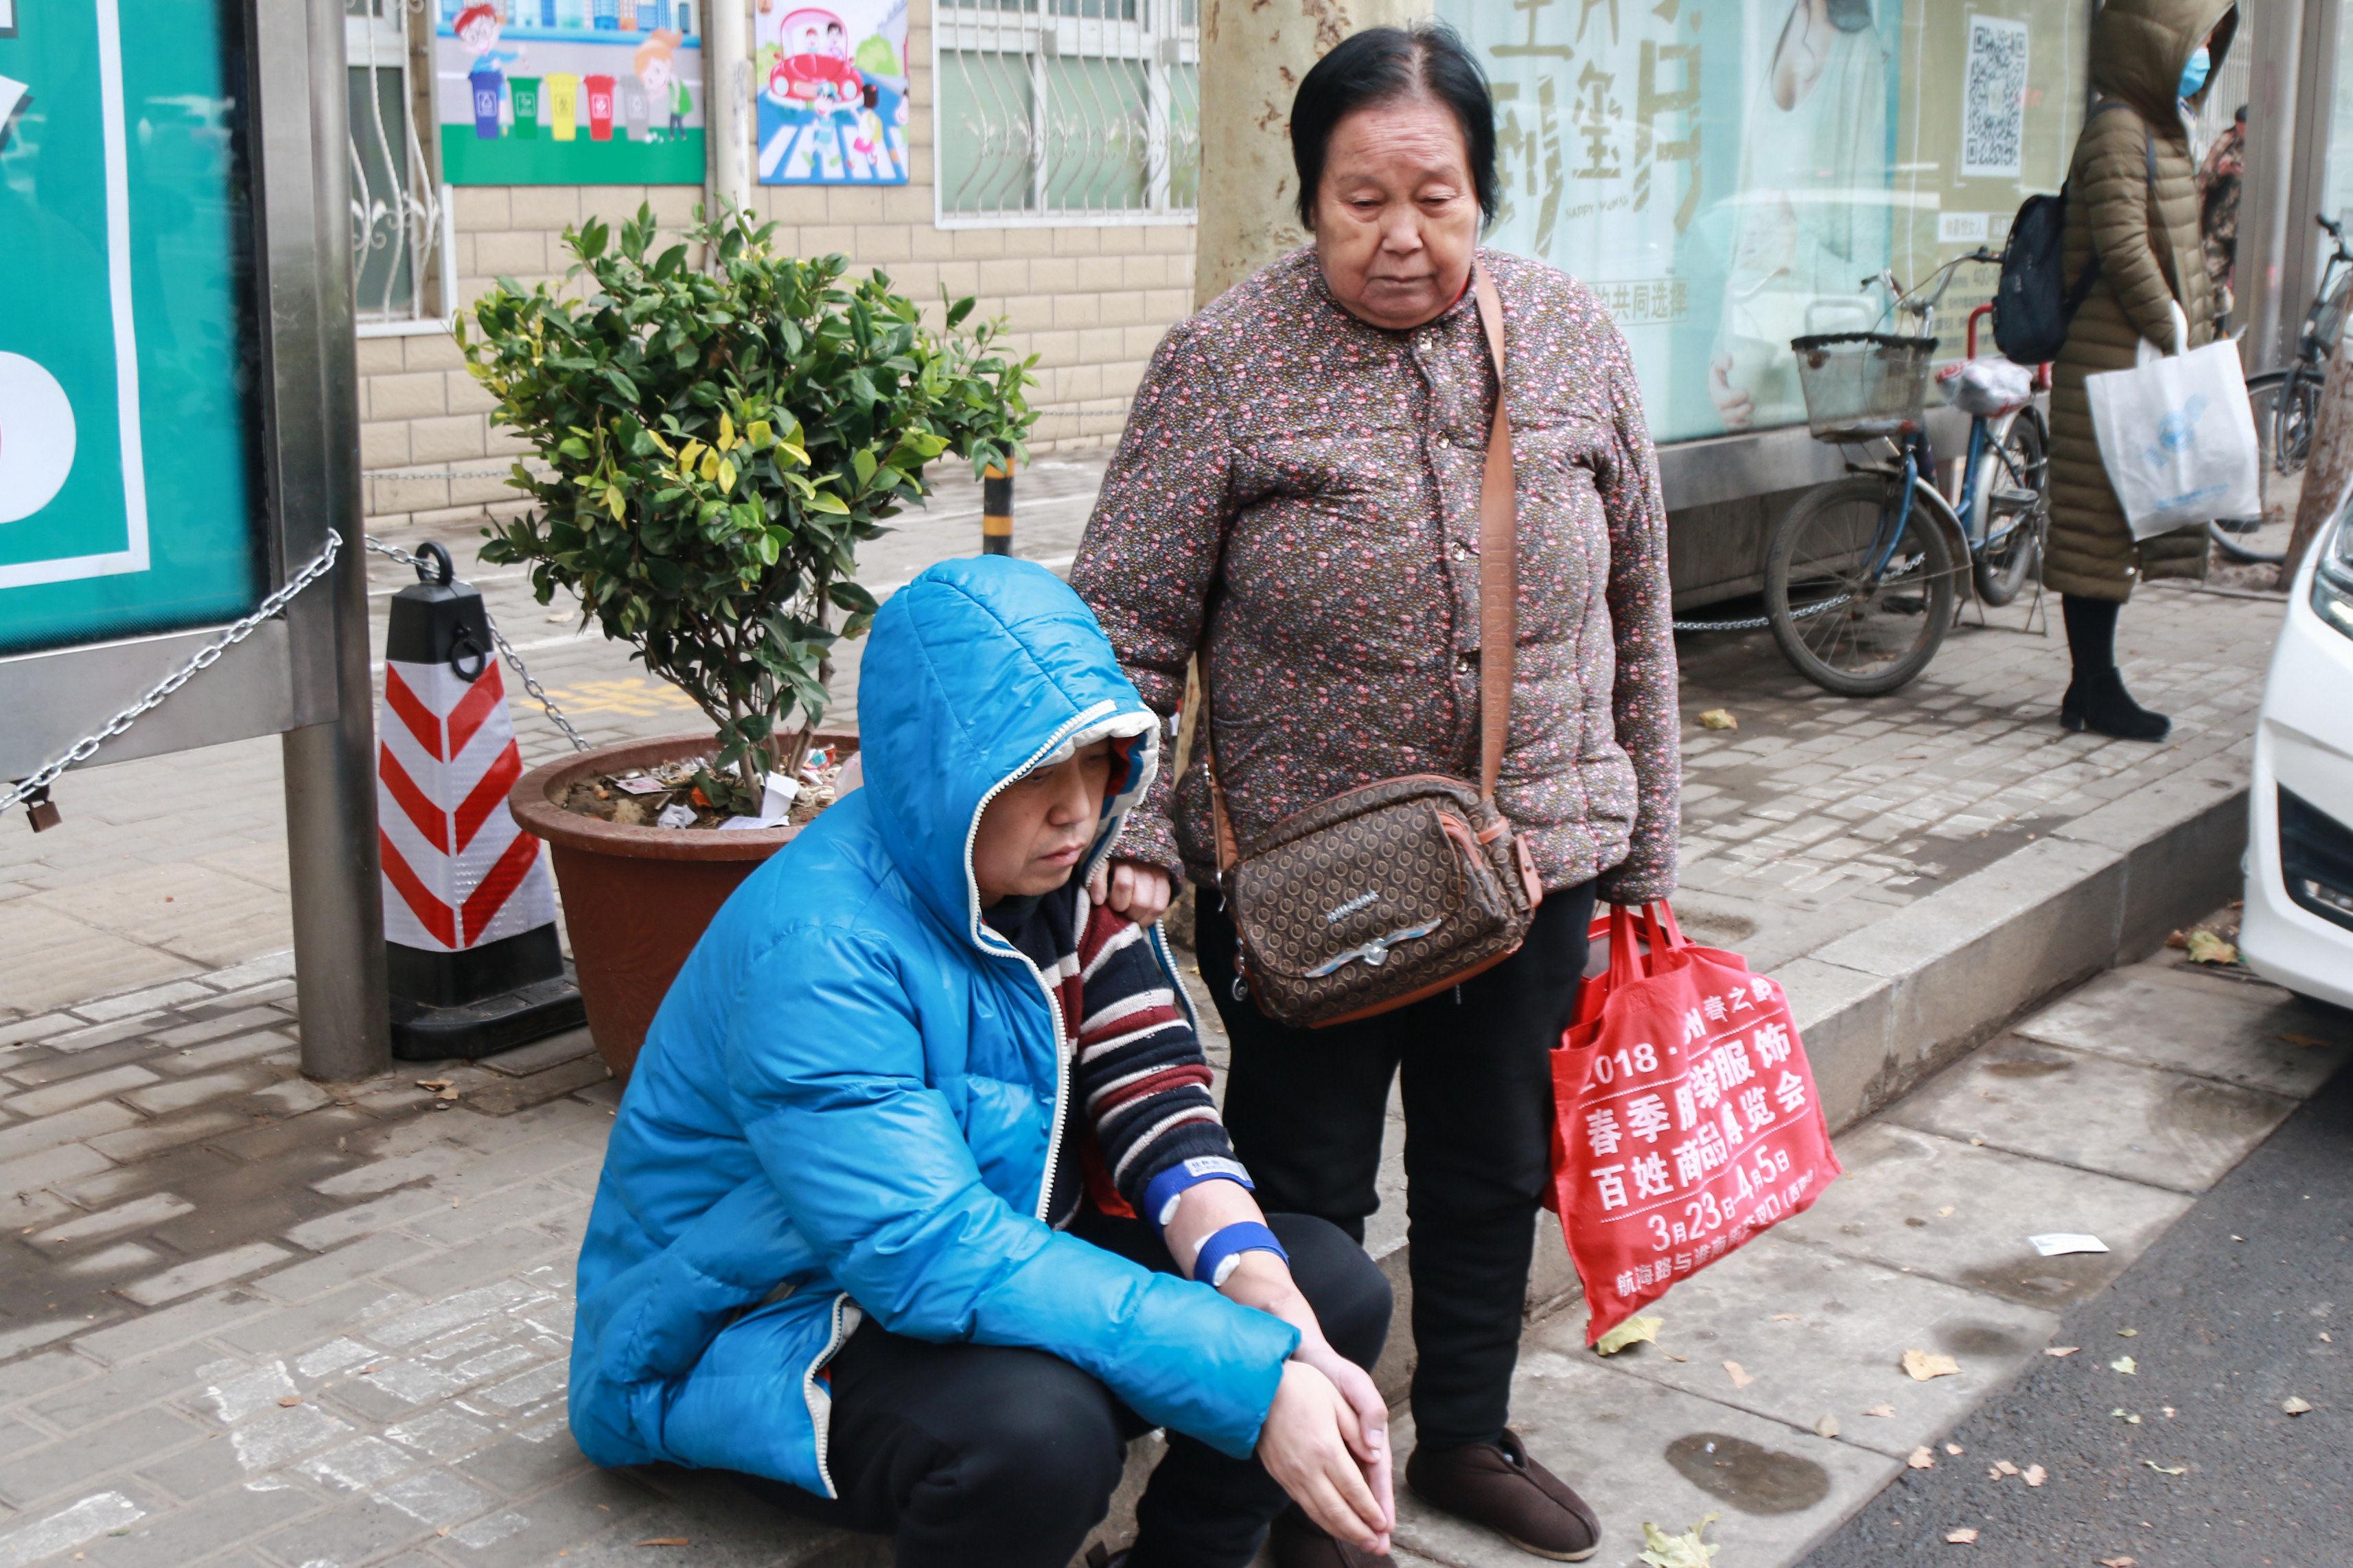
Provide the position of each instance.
(1688, 1118)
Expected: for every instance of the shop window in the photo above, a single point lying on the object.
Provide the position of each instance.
(399, 214)
(1065, 111)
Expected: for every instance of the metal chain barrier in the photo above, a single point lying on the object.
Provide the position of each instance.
(506, 649)
(32, 789)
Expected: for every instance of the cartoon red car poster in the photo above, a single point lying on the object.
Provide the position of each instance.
(831, 84)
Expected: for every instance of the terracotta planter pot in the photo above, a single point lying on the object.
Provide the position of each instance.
(636, 900)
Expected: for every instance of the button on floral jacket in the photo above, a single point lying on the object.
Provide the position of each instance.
(1305, 487)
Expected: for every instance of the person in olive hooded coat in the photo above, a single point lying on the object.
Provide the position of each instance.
(2132, 198)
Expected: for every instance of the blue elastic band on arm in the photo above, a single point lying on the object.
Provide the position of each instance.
(1225, 1248)
(1160, 1193)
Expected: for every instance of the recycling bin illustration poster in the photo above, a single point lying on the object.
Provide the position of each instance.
(830, 82)
(128, 440)
(569, 92)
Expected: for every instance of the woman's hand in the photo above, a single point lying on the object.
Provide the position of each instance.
(1307, 1446)
(1130, 887)
(1734, 405)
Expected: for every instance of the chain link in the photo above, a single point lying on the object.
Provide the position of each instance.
(205, 658)
(1755, 622)
(506, 649)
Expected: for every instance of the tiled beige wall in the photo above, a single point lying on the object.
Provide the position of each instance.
(1091, 302)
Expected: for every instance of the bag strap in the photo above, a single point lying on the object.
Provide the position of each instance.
(1499, 559)
(1498, 595)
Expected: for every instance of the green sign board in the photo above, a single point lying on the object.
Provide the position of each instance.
(127, 352)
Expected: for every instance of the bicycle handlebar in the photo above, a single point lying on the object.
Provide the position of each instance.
(2334, 230)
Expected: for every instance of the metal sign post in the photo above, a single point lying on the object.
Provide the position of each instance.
(179, 432)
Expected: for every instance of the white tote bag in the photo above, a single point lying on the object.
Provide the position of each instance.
(2177, 435)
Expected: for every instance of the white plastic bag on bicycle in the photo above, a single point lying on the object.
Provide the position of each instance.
(2177, 435)
(1988, 388)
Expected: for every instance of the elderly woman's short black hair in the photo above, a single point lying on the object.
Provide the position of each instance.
(1381, 65)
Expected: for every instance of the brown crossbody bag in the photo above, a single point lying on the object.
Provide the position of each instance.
(1397, 889)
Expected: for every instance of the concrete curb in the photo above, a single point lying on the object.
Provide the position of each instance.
(1883, 1008)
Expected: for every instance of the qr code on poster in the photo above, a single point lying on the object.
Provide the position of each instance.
(1993, 98)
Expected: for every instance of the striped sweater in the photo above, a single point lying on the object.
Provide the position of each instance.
(1139, 1084)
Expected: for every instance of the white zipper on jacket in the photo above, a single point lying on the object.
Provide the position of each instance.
(845, 1323)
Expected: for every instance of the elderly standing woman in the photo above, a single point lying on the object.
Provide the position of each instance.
(1296, 497)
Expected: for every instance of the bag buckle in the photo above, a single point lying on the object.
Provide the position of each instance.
(1373, 953)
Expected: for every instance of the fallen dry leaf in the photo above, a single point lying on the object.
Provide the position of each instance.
(2177, 939)
(1718, 719)
(1921, 1459)
(2004, 1468)
(2129, 1419)
(432, 1083)
(2205, 947)
(1881, 1410)
(2310, 1042)
(1786, 1318)
(287, 1400)
(2295, 1405)
(1632, 1331)
(1954, 1450)
(2061, 1349)
(2036, 1475)
(1961, 1537)
(2166, 1410)
(1740, 1375)
(1945, 1213)
(1661, 1549)
(2125, 1364)
(2128, 1334)
(1923, 1365)
(1827, 1426)
(2119, 1563)
(2167, 1469)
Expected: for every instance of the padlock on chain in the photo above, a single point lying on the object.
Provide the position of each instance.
(41, 811)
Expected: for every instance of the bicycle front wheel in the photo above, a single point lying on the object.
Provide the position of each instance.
(1852, 613)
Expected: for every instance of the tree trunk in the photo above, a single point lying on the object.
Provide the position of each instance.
(2329, 472)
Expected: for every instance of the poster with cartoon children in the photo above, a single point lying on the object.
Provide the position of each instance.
(831, 86)
(569, 92)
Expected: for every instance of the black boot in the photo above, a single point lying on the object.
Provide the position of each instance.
(2101, 704)
(2096, 698)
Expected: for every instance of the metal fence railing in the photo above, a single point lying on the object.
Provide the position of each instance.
(1065, 111)
(399, 216)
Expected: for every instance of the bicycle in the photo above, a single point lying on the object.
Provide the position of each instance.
(2287, 400)
(1860, 575)
(2296, 387)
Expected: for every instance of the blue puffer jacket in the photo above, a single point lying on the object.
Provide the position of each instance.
(850, 1099)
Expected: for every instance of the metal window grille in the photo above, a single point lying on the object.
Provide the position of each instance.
(400, 217)
(1066, 112)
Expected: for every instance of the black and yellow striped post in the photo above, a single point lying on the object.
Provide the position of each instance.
(997, 511)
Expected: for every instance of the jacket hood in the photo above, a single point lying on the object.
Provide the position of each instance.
(2139, 47)
(977, 672)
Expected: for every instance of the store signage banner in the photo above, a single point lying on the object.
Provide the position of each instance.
(127, 440)
(1725, 174)
(831, 83)
(569, 92)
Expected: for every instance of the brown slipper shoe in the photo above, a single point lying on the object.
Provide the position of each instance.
(1297, 1541)
(1497, 1484)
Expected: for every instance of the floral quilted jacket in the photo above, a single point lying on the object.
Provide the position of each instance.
(1300, 489)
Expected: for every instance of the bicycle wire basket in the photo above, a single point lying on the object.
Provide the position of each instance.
(1862, 385)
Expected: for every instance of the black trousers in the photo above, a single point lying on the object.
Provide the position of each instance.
(1305, 1108)
(995, 1457)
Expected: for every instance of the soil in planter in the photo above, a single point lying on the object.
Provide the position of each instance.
(637, 799)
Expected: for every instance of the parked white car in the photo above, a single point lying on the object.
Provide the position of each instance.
(2297, 929)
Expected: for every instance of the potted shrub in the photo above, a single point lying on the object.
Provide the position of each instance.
(715, 441)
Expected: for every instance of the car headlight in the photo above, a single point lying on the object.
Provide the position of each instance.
(2332, 576)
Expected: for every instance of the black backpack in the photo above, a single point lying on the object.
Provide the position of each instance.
(2032, 306)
